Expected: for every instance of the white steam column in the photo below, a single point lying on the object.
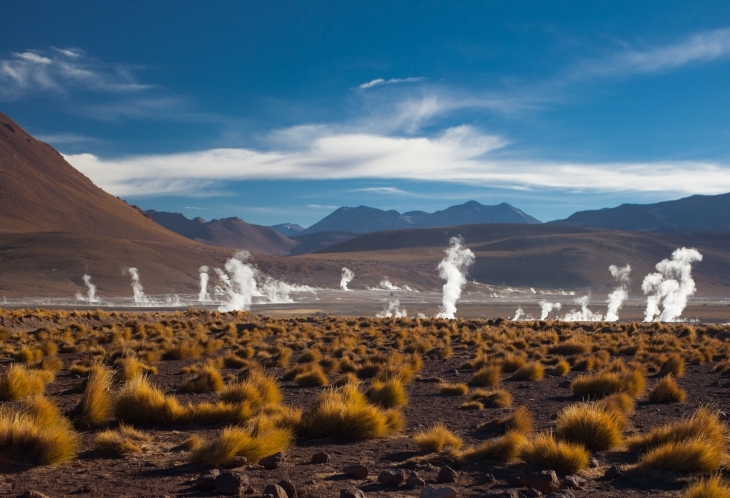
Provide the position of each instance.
(671, 286)
(620, 294)
(347, 276)
(452, 269)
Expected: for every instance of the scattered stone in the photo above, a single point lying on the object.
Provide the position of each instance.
(434, 492)
(235, 462)
(488, 479)
(231, 483)
(206, 480)
(531, 492)
(523, 386)
(320, 458)
(392, 477)
(613, 472)
(715, 384)
(415, 481)
(34, 494)
(564, 494)
(554, 416)
(503, 493)
(274, 461)
(573, 481)
(726, 385)
(357, 471)
(453, 371)
(351, 493)
(275, 491)
(565, 383)
(447, 474)
(288, 486)
(516, 480)
(594, 463)
(82, 490)
(546, 481)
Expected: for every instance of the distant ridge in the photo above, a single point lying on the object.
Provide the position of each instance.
(227, 232)
(363, 219)
(287, 229)
(698, 212)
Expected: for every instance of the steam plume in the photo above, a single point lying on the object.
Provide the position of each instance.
(584, 315)
(347, 276)
(671, 286)
(91, 293)
(392, 310)
(620, 294)
(519, 313)
(139, 297)
(203, 296)
(452, 269)
(547, 307)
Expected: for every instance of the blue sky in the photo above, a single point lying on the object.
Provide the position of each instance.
(282, 111)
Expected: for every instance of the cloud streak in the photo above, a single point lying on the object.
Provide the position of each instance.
(392, 81)
(60, 70)
(461, 154)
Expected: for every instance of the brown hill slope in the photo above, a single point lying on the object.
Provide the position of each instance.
(226, 232)
(56, 225)
(545, 256)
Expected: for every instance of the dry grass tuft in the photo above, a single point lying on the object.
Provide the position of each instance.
(590, 426)
(456, 389)
(138, 402)
(604, 384)
(673, 366)
(667, 390)
(17, 382)
(208, 380)
(437, 439)
(488, 376)
(531, 371)
(40, 436)
(346, 413)
(710, 487)
(544, 451)
(504, 449)
(257, 390)
(95, 406)
(312, 377)
(519, 421)
(704, 424)
(237, 441)
(497, 398)
(561, 368)
(124, 440)
(389, 394)
(691, 455)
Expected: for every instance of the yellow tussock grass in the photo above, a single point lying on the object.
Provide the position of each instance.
(546, 452)
(504, 449)
(121, 441)
(703, 424)
(691, 455)
(590, 426)
(95, 406)
(666, 390)
(710, 487)
(437, 439)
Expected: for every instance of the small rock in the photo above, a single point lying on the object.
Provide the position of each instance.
(274, 461)
(231, 483)
(391, 477)
(235, 462)
(573, 481)
(613, 472)
(288, 486)
(565, 383)
(523, 386)
(726, 385)
(554, 416)
(503, 493)
(564, 494)
(546, 481)
(453, 371)
(715, 384)
(320, 458)
(275, 491)
(415, 481)
(34, 494)
(516, 480)
(447, 474)
(531, 492)
(206, 480)
(434, 492)
(357, 471)
(723, 415)
(488, 479)
(351, 493)
(594, 463)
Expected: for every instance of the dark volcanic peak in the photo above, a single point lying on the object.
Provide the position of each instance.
(698, 212)
(365, 219)
(288, 229)
(226, 232)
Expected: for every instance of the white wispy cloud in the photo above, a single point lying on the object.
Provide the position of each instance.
(392, 81)
(65, 138)
(61, 70)
(698, 48)
(383, 190)
(461, 154)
